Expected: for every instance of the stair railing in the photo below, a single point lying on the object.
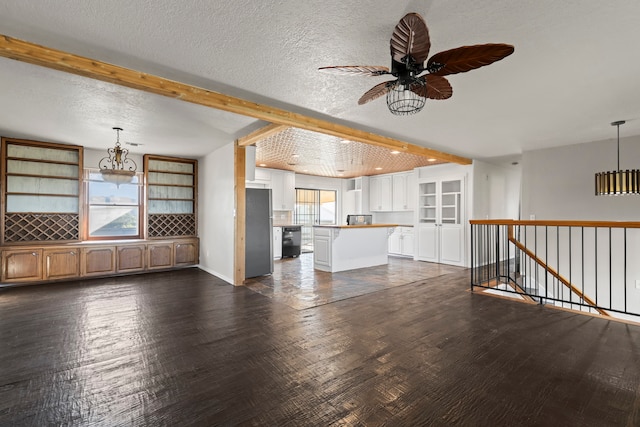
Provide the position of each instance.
(591, 266)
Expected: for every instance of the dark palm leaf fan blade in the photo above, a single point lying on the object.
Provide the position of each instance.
(467, 58)
(410, 37)
(360, 70)
(377, 91)
(437, 87)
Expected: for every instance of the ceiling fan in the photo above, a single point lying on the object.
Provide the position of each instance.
(415, 80)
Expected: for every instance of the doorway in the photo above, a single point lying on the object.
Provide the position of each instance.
(313, 207)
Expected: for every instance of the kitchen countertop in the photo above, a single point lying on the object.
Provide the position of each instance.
(357, 226)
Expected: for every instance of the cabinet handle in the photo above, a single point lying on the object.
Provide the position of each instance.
(177, 246)
(72, 253)
(34, 254)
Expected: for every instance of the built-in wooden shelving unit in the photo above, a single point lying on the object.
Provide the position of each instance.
(171, 196)
(41, 191)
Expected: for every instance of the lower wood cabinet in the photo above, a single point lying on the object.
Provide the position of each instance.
(26, 264)
(159, 255)
(185, 253)
(21, 265)
(61, 263)
(131, 258)
(98, 261)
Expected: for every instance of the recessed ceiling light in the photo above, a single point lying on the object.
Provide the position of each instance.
(305, 170)
(295, 155)
(395, 152)
(262, 165)
(340, 174)
(431, 160)
(345, 141)
(378, 168)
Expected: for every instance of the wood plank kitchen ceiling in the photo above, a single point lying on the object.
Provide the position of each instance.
(314, 153)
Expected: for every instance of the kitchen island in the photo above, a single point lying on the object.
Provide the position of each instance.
(347, 247)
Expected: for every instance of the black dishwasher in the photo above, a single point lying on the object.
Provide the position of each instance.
(291, 240)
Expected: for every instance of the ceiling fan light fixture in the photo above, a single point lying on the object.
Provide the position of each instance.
(404, 99)
(618, 182)
(116, 168)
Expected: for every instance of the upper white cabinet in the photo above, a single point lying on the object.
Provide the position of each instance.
(404, 191)
(355, 199)
(380, 193)
(393, 192)
(283, 190)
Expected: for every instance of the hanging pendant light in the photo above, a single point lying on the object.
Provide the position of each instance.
(407, 97)
(618, 181)
(117, 168)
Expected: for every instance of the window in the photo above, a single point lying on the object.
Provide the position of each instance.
(113, 212)
(314, 207)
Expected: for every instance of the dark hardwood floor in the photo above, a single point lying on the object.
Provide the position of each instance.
(183, 348)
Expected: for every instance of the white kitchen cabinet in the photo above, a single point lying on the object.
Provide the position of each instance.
(408, 241)
(277, 242)
(403, 192)
(283, 190)
(262, 179)
(355, 200)
(380, 193)
(401, 241)
(441, 233)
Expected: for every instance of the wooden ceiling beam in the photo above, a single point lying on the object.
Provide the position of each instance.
(262, 133)
(58, 60)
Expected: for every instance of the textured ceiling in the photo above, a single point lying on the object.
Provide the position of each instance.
(312, 153)
(573, 72)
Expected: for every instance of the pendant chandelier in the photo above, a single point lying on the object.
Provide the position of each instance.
(619, 181)
(117, 168)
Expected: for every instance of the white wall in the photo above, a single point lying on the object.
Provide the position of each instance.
(496, 191)
(216, 215)
(559, 183)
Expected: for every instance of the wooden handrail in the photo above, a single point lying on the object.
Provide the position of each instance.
(557, 223)
(541, 263)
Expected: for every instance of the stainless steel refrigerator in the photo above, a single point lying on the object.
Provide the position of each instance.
(259, 233)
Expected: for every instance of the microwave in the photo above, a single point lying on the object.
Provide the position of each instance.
(358, 219)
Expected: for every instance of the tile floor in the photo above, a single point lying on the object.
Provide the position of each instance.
(295, 283)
